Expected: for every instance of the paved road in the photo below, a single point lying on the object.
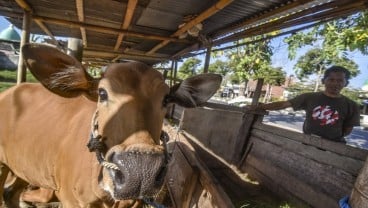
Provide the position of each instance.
(358, 137)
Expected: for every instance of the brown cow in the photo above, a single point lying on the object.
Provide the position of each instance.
(44, 128)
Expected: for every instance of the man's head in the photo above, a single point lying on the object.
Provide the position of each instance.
(335, 79)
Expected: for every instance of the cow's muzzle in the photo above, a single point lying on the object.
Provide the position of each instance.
(140, 174)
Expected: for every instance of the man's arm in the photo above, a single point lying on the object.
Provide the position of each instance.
(274, 106)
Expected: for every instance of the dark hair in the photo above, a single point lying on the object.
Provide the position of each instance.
(337, 69)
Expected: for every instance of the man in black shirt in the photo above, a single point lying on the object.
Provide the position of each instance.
(329, 114)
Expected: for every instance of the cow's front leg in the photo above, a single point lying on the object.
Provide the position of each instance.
(4, 170)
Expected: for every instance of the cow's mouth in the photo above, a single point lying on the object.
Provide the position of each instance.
(139, 174)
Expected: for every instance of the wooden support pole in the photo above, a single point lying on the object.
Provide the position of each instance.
(174, 68)
(207, 60)
(22, 70)
(257, 92)
(75, 48)
(242, 148)
(359, 194)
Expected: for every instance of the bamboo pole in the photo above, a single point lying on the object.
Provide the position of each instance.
(22, 70)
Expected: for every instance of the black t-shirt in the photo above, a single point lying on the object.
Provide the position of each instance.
(327, 116)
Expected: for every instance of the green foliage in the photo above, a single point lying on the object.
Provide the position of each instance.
(219, 67)
(5, 85)
(299, 88)
(8, 78)
(189, 68)
(298, 40)
(272, 76)
(317, 60)
(331, 42)
(250, 61)
(353, 94)
(338, 36)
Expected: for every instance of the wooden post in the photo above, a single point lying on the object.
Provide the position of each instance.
(207, 60)
(75, 48)
(359, 194)
(172, 73)
(22, 70)
(241, 144)
(257, 92)
(173, 78)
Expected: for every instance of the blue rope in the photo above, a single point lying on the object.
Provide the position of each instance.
(344, 202)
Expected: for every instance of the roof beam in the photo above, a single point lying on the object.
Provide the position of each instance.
(204, 15)
(127, 20)
(337, 10)
(24, 5)
(261, 17)
(109, 54)
(80, 12)
(330, 10)
(107, 30)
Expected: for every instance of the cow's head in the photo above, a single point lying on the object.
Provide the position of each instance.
(131, 103)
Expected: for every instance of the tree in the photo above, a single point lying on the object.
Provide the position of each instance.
(248, 61)
(338, 36)
(272, 77)
(189, 68)
(219, 67)
(331, 42)
(317, 60)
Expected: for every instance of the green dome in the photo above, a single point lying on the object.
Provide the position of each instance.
(10, 34)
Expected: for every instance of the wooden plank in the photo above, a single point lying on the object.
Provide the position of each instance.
(101, 29)
(208, 192)
(326, 179)
(181, 182)
(339, 148)
(280, 181)
(127, 20)
(359, 194)
(347, 164)
(80, 12)
(221, 137)
(242, 138)
(219, 197)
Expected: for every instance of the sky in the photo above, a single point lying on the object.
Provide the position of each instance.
(280, 59)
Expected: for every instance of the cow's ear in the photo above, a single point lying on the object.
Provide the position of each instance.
(195, 90)
(58, 72)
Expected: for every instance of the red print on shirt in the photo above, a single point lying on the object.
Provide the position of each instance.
(325, 115)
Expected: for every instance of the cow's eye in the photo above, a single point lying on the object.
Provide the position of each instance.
(102, 94)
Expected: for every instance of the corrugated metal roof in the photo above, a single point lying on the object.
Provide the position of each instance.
(153, 34)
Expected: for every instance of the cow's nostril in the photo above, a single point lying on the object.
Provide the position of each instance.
(118, 176)
(160, 176)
